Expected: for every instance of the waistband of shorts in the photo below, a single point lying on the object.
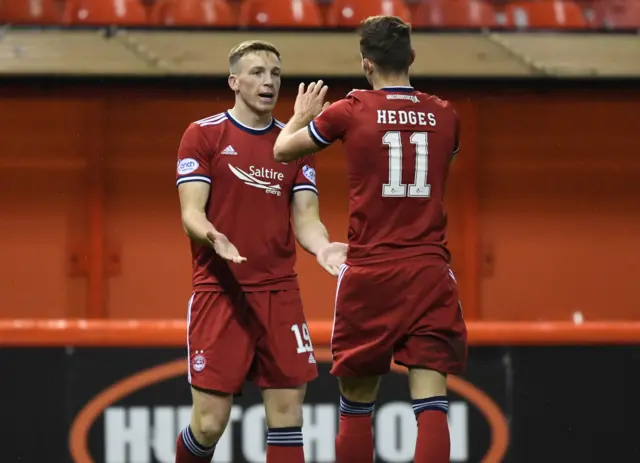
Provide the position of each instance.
(435, 251)
(283, 285)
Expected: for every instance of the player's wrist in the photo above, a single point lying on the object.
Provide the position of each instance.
(301, 120)
(320, 246)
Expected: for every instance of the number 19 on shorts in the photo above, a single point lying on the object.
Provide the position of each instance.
(303, 338)
(395, 188)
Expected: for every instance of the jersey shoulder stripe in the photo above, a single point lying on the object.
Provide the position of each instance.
(211, 120)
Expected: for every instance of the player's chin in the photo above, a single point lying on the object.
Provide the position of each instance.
(266, 102)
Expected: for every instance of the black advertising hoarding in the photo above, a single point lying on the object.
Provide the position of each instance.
(127, 405)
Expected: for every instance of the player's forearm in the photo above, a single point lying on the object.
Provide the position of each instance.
(196, 226)
(284, 150)
(312, 235)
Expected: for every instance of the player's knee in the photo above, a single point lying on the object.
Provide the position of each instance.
(283, 407)
(424, 383)
(210, 416)
(360, 389)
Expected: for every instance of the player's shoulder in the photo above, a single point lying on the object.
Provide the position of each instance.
(209, 123)
(357, 94)
(433, 99)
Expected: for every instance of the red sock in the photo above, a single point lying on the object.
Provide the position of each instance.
(354, 443)
(188, 450)
(433, 444)
(284, 445)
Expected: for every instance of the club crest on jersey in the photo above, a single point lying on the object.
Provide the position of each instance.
(309, 173)
(187, 166)
(254, 178)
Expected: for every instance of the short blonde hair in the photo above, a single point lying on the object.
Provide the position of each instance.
(250, 46)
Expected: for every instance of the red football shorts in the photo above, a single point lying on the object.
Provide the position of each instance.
(257, 336)
(407, 310)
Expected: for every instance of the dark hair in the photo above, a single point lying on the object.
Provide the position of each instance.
(250, 46)
(386, 40)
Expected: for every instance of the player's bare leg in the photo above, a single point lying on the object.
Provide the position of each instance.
(283, 409)
(430, 404)
(354, 442)
(209, 417)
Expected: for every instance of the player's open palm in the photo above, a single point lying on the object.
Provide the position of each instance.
(310, 101)
(224, 248)
(332, 256)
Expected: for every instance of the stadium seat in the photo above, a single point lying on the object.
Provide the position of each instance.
(112, 12)
(196, 13)
(455, 13)
(349, 13)
(36, 12)
(545, 14)
(280, 13)
(616, 14)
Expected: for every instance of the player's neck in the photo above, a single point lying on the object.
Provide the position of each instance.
(390, 81)
(250, 118)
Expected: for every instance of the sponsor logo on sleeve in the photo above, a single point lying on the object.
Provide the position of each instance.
(309, 173)
(187, 166)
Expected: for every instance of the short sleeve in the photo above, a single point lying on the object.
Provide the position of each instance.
(194, 157)
(306, 176)
(331, 124)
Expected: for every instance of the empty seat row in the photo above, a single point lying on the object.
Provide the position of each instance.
(340, 13)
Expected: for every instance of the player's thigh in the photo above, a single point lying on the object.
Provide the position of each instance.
(284, 356)
(219, 345)
(436, 334)
(365, 324)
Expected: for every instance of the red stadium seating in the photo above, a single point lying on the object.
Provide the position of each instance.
(196, 13)
(36, 12)
(545, 14)
(614, 14)
(280, 13)
(455, 13)
(349, 13)
(112, 12)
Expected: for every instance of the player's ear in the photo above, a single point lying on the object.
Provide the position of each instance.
(233, 82)
(413, 57)
(367, 66)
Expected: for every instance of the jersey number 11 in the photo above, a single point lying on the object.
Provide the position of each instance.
(395, 188)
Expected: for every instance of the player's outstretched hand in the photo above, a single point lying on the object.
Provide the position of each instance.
(310, 102)
(332, 256)
(224, 248)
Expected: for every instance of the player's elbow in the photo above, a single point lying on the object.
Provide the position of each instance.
(280, 153)
(186, 227)
(285, 150)
(190, 218)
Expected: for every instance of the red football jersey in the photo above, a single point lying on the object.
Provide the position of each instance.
(399, 144)
(250, 202)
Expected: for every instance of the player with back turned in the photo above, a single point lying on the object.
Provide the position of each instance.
(245, 317)
(397, 296)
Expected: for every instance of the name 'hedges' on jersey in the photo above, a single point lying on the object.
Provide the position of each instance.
(399, 144)
(245, 203)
